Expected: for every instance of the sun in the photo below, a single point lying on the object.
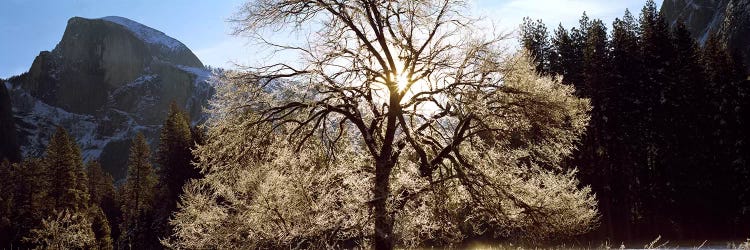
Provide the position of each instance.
(402, 81)
(400, 75)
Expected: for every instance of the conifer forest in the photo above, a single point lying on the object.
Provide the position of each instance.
(402, 124)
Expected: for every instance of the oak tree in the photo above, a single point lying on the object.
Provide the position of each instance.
(402, 124)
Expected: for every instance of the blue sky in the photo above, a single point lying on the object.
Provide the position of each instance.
(31, 26)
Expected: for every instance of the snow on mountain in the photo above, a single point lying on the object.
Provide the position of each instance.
(202, 73)
(147, 34)
(107, 80)
(38, 120)
(203, 90)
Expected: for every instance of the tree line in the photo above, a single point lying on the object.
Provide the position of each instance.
(59, 202)
(666, 150)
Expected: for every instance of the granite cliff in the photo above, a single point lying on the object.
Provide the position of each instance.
(728, 19)
(106, 80)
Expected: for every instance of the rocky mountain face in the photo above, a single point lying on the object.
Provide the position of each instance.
(105, 81)
(729, 19)
(9, 146)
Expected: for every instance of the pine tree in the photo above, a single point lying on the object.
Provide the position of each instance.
(561, 54)
(65, 173)
(138, 197)
(744, 161)
(535, 39)
(174, 157)
(103, 197)
(31, 200)
(199, 135)
(688, 160)
(668, 127)
(725, 76)
(592, 156)
(575, 64)
(621, 117)
(101, 228)
(100, 184)
(6, 202)
(657, 53)
(595, 57)
(80, 171)
(566, 54)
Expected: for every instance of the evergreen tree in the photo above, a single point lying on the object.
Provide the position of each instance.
(574, 66)
(103, 197)
(657, 54)
(47, 187)
(535, 39)
(39, 190)
(725, 76)
(566, 54)
(592, 156)
(595, 57)
(31, 201)
(6, 203)
(689, 157)
(100, 184)
(174, 157)
(668, 128)
(65, 174)
(81, 178)
(622, 119)
(138, 197)
(561, 53)
(101, 228)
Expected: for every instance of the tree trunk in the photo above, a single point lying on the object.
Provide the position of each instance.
(383, 220)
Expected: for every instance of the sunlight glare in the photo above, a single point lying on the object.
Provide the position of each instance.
(402, 81)
(400, 76)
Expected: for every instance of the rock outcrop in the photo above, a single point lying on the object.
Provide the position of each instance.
(9, 145)
(702, 18)
(728, 19)
(105, 81)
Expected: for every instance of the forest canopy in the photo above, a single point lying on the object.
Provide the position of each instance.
(666, 150)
